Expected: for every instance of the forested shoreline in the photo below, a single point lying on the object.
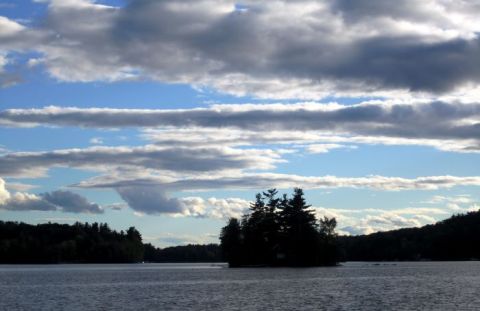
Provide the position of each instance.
(51, 243)
(263, 237)
(456, 238)
(61, 243)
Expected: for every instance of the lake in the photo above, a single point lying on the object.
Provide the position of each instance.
(351, 286)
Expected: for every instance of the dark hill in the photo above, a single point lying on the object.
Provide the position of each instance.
(456, 238)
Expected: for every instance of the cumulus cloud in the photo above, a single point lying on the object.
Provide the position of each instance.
(270, 49)
(154, 199)
(455, 204)
(351, 221)
(216, 208)
(60, 200)
(19, 187)
(366, 221)
(151, 195)
(149, 200)
(71, 202)
(9, 28)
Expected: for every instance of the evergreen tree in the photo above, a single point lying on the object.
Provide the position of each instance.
(253, 232)
(271, 224)
(300, 230)
(231, 244)
(280, 231)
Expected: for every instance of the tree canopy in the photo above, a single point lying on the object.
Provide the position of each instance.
(279, 231)
(57, 243)
(455, 238)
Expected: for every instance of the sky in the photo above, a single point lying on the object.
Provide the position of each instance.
(171, 115)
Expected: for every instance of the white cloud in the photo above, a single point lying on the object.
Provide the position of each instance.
(268, 49)
(366, 221)
(151, 195)
(19, 187)
(96, 141)
(445, 126)
(325, 148)
(174, 239)
(214, 207)
(60, 200)
(9, 28)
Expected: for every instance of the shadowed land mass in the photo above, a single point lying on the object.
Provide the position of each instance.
(277, 231)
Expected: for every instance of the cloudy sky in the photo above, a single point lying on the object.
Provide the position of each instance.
(170, 115)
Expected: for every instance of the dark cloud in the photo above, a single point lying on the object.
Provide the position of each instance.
(176, 159)
(266, 48)
(434, 120)
(71, 202)
(282, 181)
(60, 200)
(149, 200)
(153, 195)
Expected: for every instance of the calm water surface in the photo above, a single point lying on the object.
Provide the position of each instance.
(352, 286)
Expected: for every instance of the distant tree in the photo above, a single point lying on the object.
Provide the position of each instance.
(183, 253)
(327, 226)
(54, 243)
(329, 252)
(455, 238)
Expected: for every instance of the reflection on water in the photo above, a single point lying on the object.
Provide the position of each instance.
(352, 286)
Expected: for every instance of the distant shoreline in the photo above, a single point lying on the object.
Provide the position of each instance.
(219, 263)
(455, 239)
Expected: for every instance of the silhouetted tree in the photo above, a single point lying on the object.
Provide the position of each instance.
(328, 241)
(300, 230)
(254, 233)
(231, 244)
(54, 243)
(280, 231)
(184, 253)
(456, 238)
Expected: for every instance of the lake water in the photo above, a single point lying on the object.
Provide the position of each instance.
(352, 286)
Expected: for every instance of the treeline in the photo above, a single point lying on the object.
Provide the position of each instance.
(456, 238)
(58, 243)
(279, 231)
(276, 232)
(184, 253)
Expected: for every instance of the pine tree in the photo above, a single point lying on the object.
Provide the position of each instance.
(300, 230)
(280, 231)
(271, 225)
(231, 243)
